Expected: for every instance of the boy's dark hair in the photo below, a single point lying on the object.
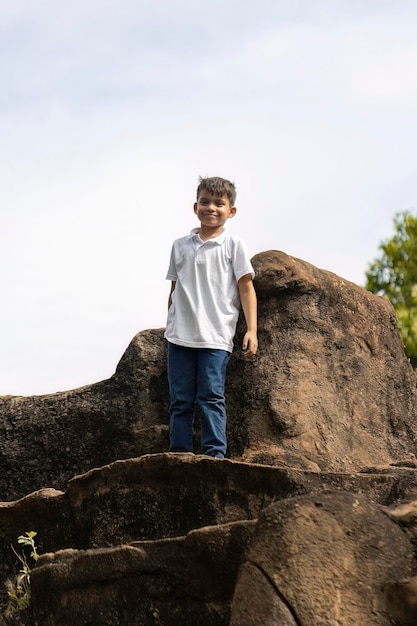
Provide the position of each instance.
(218, 187)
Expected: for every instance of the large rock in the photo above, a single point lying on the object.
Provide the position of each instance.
(45, 440)
(168, 495)
(321, 429)
(164, 535)
(330, 389)
(331, 382)
(176, 528)
(322, 561)
(184, 580)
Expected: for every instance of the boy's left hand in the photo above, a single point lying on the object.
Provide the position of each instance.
(250, 344)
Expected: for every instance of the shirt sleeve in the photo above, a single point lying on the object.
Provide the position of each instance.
(241, 260)
(172, 272)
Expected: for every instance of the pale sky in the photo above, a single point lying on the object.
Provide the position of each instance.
(109, 112)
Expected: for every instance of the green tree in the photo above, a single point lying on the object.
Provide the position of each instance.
(394, 275)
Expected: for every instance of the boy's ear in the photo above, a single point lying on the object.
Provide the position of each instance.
(233, 210)
(195, 207)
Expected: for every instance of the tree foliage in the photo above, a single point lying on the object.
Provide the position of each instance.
(394, 275)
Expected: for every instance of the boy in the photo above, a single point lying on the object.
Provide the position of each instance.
(211, 275)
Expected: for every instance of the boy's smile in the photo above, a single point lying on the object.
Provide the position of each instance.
(212, 211)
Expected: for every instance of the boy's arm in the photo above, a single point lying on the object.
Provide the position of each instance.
(249, 305)
(173, 283)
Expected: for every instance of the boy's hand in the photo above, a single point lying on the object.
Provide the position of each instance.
(248, 299)
(250, 344)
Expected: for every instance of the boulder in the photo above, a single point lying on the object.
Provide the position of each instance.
(46, 440)
(331, 383)
(321, 561)
(330, 389)
(168, 495)
(311, 520)
(184, 580)
(165, 535)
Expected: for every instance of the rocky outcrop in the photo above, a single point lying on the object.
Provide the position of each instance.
(184, 580)
(171, 538)
(331, 383)
(312, 519)
(330, 389)
(322, 560)
(45, 440)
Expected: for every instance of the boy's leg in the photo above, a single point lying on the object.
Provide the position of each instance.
(211, 376)
(182, 367)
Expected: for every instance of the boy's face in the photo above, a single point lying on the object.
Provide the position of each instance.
(213, 211)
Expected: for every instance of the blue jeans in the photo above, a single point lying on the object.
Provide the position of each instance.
(197, 375)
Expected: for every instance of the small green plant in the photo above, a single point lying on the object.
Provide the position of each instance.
(18, 590)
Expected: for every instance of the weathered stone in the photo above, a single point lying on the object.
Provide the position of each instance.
(166, 495)
(185, 580)
(402, 601)
(321, 429)
(170, 494)
(330, 382)
(330, 389)
(45, 440)
(327, 559)
(34, 509)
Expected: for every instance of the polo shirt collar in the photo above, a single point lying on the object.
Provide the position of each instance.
(219, 240)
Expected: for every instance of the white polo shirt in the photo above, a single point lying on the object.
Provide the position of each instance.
(205, 302)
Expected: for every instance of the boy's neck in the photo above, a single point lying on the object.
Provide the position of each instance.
(206, 233)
